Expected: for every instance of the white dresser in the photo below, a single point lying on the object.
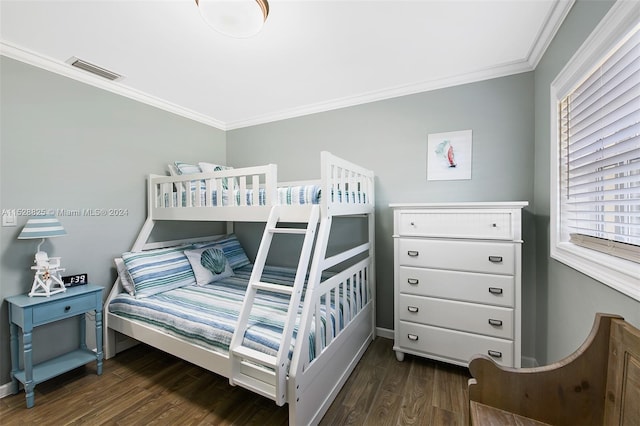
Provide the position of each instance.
(457, 281)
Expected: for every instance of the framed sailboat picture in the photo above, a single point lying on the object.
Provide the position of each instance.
(449, 155)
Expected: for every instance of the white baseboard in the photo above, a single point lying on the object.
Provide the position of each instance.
(529, 362)
(5, 390)
(384, 332)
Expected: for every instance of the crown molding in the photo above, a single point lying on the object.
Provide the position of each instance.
(546, 34)
(381, 95)
(62, 68)
(554, 20)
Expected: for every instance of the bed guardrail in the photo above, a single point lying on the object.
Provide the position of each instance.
(350, 187)
(248, 193)
(348, 289)
(238, 187)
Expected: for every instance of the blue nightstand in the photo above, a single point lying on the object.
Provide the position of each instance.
(30, 312)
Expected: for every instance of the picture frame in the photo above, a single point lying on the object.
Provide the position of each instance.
(449, 155)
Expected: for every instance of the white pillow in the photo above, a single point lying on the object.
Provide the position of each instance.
(125, 276)
(209, 167)
(173, 170)
(209, 264)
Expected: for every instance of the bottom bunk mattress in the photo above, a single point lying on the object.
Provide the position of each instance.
(207, 315)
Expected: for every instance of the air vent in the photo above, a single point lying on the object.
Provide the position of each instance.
(94, 69)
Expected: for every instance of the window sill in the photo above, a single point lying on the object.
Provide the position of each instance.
(619, 274)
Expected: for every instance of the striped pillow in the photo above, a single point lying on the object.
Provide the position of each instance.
(233, 251)
(155, 271)
(125, 277)
(186, 168)
(189, 169)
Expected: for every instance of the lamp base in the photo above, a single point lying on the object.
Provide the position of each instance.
(46, 288)
(46, 280)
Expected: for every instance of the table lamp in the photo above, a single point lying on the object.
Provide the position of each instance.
(46, 280)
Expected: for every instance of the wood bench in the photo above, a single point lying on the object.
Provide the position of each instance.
(599, 384)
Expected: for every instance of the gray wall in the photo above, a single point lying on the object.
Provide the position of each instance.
(68, 145)
(390, 137)
(510, 121)
(567, 299)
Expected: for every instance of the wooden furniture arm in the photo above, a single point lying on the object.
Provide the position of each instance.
(568, 392)
(622, 403)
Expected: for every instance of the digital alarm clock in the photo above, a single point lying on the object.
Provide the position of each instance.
(74, 280)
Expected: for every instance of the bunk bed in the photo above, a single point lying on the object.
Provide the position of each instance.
(327, 301)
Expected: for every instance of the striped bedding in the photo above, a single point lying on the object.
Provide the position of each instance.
(290, 195)
(206, 316)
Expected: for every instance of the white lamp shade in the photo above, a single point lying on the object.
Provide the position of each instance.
(42, 227)
(234, 18)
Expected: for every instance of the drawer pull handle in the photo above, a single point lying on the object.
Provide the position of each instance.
(67, 308)
(412, 337)
(495, 290)
(494, 225)
(413, 253)
(495, 322)
(495, 259)
(413, 281)
(495, 354)
(412, 308)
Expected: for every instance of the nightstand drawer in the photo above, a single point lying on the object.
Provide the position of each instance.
(470, 256)
(466, 286)
(456, 224)
(471, 317)
(65, 308)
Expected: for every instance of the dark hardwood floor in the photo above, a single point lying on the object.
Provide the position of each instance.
(143, 386)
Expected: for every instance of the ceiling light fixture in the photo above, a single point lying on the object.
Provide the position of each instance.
(235, 18)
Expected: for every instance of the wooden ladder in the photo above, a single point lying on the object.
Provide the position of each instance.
(262, 373)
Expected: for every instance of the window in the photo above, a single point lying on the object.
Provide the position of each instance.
(596, 154)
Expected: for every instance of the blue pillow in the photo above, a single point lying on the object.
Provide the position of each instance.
(232, 250)
(155, 271)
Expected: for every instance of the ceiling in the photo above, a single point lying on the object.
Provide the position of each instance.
(311, 55)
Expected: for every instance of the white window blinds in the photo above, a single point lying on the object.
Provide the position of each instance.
(599, 127)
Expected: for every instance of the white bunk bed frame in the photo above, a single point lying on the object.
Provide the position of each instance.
(309, 387)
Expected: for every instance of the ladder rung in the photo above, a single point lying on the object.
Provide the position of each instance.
(276, 288)
(255, 356)
(265, 389)
(287, 230)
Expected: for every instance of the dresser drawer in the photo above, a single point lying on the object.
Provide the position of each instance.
(470, 256)
(482, 319)
(454, 345)
(467, 286)
(65, 308)
(456, 224)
